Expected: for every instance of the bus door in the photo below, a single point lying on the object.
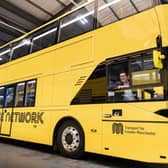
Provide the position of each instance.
(7, 111)
(119, 94)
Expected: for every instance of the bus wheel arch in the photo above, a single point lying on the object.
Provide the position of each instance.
(69, 138)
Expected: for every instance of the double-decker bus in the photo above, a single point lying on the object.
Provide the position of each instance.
(93, 80)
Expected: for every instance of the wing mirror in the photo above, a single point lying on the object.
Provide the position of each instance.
(158, 58)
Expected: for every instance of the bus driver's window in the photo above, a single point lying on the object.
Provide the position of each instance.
(145, 78)
(119, 83)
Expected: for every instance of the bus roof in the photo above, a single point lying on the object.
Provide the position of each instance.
(49, 22)
(140, 3)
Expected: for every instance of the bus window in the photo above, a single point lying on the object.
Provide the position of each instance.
(134, 80)
(10, 96)
(150, 93)
(21, 48)
(94, 90)
(45, 37)
(19, 100)
(136, 64)
(142, 70)
(2, 96)
(119, 84)
(4, 55)
(164, 1)
(30, 93)
(146, 78)
(148, 61)
(79, 22)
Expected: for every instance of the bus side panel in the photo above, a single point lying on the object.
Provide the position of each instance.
(89, 116)
(72, 53)
(30, 124)
(51, 68)
(127, 36)
(162, 12)
(136, 133)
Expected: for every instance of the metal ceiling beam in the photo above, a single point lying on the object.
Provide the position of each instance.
(133, 4)
(13, 23)
(66, 9)
(20, 12)
(7, 31)
(39, 7)
(61, 3)
(4, 41)
(11, 27)
(112, 10)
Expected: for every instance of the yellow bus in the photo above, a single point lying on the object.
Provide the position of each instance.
(93, 80)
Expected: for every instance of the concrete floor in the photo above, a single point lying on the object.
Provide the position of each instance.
(15, 154)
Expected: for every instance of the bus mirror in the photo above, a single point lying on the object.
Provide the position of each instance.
(157, 59)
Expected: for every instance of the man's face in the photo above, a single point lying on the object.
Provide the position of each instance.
(123, 78)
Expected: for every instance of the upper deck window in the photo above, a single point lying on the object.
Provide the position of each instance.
(2, 97)
(78, 22)
(4, 55)
(21, 48)
(44, 37)
(164, 1)
(74, 24)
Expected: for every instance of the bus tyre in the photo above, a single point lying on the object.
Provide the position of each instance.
(70, 139)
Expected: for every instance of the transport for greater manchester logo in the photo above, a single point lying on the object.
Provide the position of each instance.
(120, 129)
(117, 128)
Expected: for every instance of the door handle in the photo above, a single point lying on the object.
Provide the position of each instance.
(107, 115)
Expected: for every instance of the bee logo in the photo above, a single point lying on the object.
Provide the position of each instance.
(117, 128)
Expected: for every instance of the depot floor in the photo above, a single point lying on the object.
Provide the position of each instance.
(22, 155)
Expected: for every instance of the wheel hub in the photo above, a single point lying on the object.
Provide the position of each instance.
(70, 139)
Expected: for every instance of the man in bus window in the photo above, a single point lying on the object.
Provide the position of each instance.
(128, 95)
(124, 81)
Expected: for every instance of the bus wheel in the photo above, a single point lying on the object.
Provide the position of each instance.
(70, 139)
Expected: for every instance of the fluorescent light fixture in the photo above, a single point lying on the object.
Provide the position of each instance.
(108, 4)
(5, 52)
(21, 84)
(31, 82)
(83, 19)
(24, 42)
(78, 19)
(5, 24)
(44, 34)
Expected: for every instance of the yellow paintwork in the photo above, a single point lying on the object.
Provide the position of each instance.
(58, 69)
(148, 148)
(163, 22)
(158, 59)
(127, 36)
